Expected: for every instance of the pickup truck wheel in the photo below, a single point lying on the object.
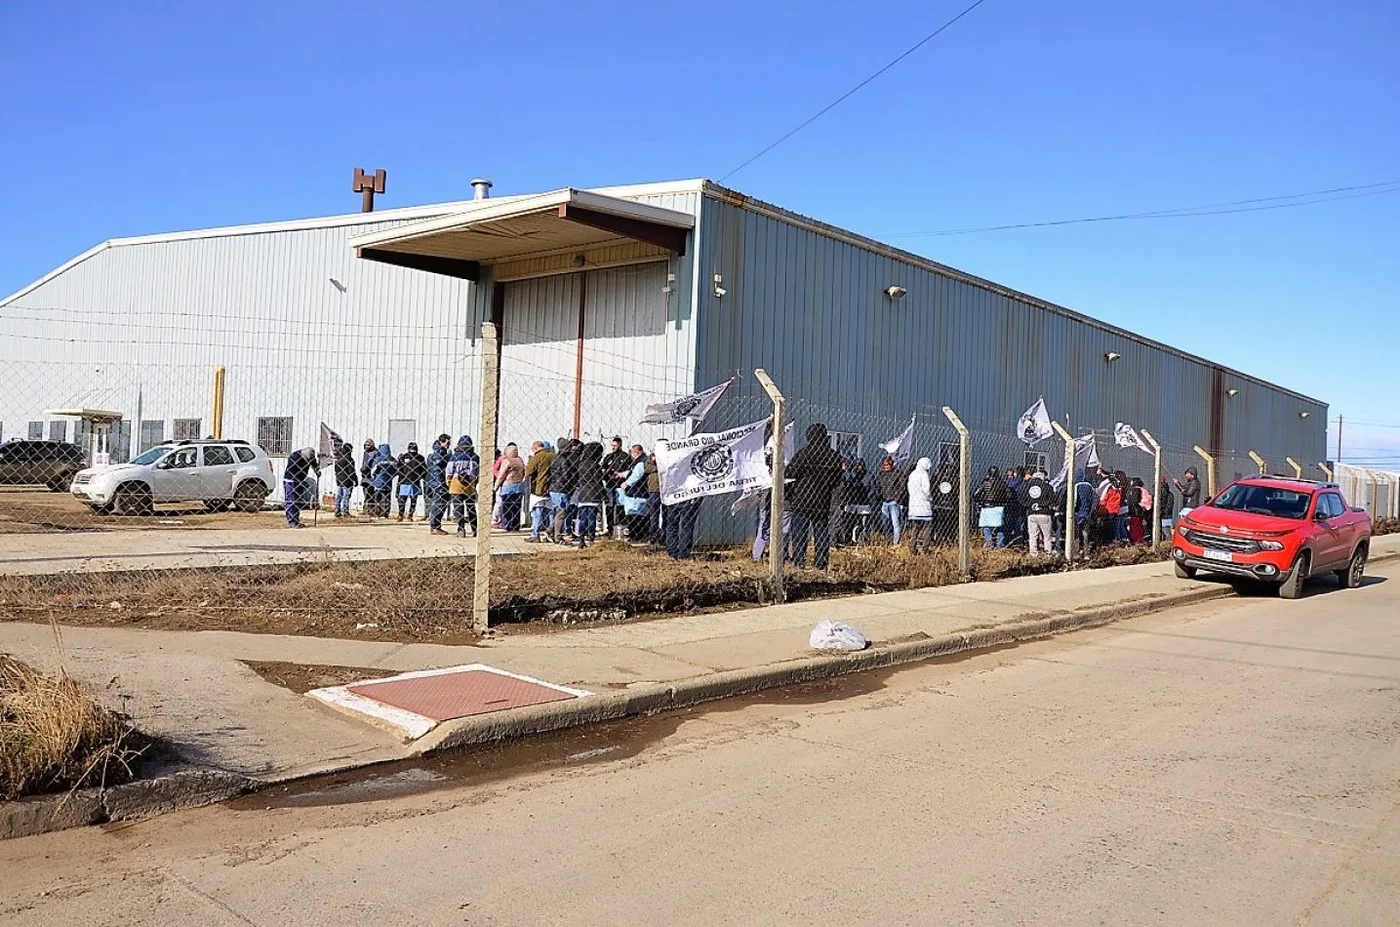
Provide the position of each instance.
(1351, 577)
(1292, 587)
(133, 500)
(250, 496)
(1183, 572)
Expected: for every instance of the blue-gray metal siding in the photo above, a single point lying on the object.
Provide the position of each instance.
(811, 309)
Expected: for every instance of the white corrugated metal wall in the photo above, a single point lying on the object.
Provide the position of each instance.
(303, 328)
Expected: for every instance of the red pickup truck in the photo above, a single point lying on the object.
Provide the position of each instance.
(1272, 529)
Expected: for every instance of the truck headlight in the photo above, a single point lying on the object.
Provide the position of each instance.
(1270, 545)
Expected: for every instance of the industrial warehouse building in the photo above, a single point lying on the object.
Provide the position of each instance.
(606, 300)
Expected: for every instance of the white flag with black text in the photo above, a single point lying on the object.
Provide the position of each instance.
(1086, 457)
(713, 464)
(1034, 424)
(695, 406)
(1125, 435)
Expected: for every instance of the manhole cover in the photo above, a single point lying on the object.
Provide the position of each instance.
(417, 702)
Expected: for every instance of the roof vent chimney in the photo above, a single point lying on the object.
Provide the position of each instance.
(481, 188)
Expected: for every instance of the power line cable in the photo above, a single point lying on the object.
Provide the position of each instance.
(1211, 209)
(854, 90)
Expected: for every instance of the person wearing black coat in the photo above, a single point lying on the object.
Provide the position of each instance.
(1038, 501)
(992, 495)
(945, 503)
(815, 471)
(346, 478)
(412, 468)
(590, 492)
(563, 479)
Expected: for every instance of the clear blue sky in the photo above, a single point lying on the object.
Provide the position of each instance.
(122, 119)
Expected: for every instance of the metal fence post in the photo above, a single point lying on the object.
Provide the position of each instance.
(1156, 487)
(775, 510)
(1210, 469)
(1297, 468)
(1260, 462)
(486, 447)
(964, 495)
(1071, 484)
(1327, 471)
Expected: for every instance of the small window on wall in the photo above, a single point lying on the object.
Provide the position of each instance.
(845, 443)
(152, 433)
(1035, 460)
(275, 436)
(58, 431)
(185, 429)
(36, 431)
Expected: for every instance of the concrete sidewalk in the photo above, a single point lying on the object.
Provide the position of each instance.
(191, 687)
(183, 548)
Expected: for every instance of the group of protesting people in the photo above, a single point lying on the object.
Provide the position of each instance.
(567, 493)
(570, 491)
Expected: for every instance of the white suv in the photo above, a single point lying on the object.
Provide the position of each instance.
(221, 474)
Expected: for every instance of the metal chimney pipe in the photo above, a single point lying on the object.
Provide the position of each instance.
(481, 188)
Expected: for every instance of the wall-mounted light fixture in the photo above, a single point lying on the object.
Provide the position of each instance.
(670, 286)
(1232, 392)
(1112, 356)
(1304, 414)
(895, 292)
(337, 284)
(720, 292)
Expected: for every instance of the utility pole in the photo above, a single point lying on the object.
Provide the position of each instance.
(1339, 439)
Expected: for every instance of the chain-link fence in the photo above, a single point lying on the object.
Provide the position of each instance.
(176, 473)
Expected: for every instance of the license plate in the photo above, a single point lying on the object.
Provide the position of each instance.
(1224, 556)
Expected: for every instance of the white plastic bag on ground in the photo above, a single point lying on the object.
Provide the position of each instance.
(833, 635)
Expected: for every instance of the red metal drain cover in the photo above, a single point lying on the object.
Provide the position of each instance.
(459, 693)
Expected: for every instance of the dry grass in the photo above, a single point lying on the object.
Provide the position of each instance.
(430, 598)
(54, 735)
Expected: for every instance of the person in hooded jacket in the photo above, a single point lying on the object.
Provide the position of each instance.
(298, 484)
(435, 495)
(1166, 508)
(946, 502)
(462, 472)
(346, 478)
(590, 492)
(1085, 503)
(857, 501)
(382, 473)
(411, 469)
(1190, 490)
(815, 471)
(920, 490)
(1014, 520)
(1038, 502)
(563, 478)
(892, 489)
(537, 475)
(371, 454)
(992, 498)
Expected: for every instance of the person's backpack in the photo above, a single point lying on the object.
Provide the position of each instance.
(1112, 501)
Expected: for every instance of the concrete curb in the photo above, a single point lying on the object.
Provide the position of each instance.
(608, 706)
(144, 798)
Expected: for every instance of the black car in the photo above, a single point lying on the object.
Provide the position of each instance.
(50, 463)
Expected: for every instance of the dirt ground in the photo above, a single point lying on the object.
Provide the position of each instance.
(301, 678)
(26, 510)
(429, 599)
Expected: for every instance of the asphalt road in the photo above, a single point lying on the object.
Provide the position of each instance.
(1234, 763)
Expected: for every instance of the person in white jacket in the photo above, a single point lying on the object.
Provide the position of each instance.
(921, 507)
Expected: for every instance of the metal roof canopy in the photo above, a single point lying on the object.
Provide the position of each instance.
(93, 416)
(557, 222)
